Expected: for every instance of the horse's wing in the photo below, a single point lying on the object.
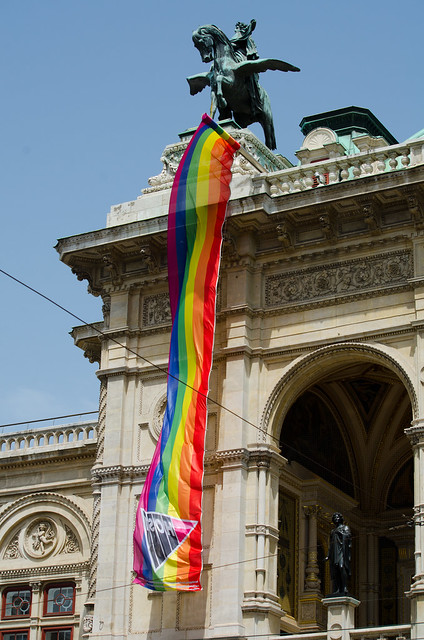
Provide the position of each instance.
(199, 82)
(263, 64)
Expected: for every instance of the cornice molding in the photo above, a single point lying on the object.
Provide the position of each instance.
(213, 460)
(261, 603)
(415, 433)
(262, 529)
(65, 570)
(42, 457)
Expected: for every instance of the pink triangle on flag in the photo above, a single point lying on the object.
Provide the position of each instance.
(183, 528)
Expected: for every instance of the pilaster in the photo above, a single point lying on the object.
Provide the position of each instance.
(261, 606)
(415, 434)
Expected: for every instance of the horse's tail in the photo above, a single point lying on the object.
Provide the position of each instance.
(266, 120)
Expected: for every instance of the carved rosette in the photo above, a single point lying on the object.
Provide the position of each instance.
(352, 277)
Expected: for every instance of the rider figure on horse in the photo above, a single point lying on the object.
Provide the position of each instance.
(244, 46)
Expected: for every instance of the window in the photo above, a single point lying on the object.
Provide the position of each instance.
(60, 633)
(15, 635)
(16, 602)
(59, 600)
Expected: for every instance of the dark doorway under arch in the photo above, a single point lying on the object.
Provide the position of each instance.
(347, 430)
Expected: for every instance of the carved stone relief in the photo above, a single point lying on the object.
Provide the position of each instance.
(41, 537)
(158, 415)
(317, 138)
(173, 153)
(355, 276)
(87, 623)
(71, 543)
(12, 550)
(156, 310)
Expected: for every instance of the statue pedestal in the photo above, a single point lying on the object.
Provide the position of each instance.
(340, 616)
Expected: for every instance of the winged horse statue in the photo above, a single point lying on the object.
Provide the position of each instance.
(233, 76)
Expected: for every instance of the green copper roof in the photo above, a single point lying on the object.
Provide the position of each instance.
(348, 121)
(416, 136)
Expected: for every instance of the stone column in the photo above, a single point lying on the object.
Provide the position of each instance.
(312, 581)
(310, 602)
(260, 562)
(340, 617)
(415, 434)
(36, 608)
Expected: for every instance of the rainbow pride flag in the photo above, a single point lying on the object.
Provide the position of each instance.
(167, 536)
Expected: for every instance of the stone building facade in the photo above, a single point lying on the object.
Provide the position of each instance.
(46, 504)
(316, 400)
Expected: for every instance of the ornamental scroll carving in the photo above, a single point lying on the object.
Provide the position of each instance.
(156, 310)
(12, 552)
(391, 269)
(87, 623)
(71, 543)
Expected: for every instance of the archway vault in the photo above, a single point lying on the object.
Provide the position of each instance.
(307, 370)
(339, 415)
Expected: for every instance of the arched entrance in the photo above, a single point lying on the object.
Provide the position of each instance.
(343, 436)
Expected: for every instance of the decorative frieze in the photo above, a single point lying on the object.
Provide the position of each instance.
(347, 277)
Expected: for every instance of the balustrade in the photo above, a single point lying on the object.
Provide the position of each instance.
(344, 168)
(395, 632)
(47, 437)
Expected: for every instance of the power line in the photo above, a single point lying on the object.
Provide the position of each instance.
(149, 362)
(70, 415)
(165, 371)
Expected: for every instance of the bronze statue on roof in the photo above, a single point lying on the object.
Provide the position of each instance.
(233, 77)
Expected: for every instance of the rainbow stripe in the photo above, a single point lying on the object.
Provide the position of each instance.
(168, 547)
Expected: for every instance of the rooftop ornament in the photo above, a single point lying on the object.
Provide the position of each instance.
(233, 76)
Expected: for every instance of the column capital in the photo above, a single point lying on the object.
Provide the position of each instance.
(312, 510)
(415, 432)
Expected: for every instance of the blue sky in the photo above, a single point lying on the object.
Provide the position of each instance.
(92, 92)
